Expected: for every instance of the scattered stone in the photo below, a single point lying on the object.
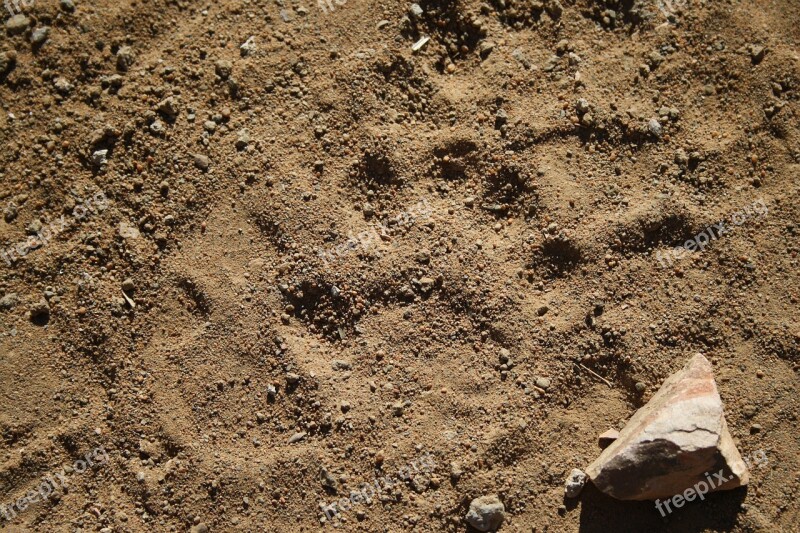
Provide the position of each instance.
(426, 284)
(125, 58)
(39, 36)
(655, 128)
(242, 140)
(455, 472)
(672, 442)
(605, 439)
(654, 59)
(63, 86)
(9, 301)
(157, 127)
(199, 528)
(416, 11)
(297, 437)
(40, 310)
(68, 6)
(201, 161)
(542, 310)
(100, 158)
(113, 82)
(505, 355)
(17, 24)
(500, 119)
(168, 107)
(485, 48)
(10, 213)
(248, 47)
(486, 513)
(542, 383)
(327, 480)
(554, 9)
(757, 53)
(420, 483)
(7, 61)
(582, 106)
(128, 285)
(34, 227)
(338, 364)
(574, 484)
(520, 56)
(223, 68)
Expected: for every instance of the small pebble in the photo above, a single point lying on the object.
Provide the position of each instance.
(574, 484)
(201, 161)
(39, 35)
(486, 513)
(655, 128)
(9, 301)
(17, 24)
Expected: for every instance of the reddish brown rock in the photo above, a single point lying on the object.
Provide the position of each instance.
(606, 438)
(675, 441)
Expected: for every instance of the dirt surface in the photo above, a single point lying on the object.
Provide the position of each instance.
(259, 278)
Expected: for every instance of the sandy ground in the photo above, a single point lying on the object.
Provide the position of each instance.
(238, 283)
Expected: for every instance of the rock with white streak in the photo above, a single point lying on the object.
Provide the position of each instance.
(675, 441)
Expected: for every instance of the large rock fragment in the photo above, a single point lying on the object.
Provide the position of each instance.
(675, 441)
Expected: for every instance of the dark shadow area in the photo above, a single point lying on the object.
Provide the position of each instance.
(558, 257)
(602, 514)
